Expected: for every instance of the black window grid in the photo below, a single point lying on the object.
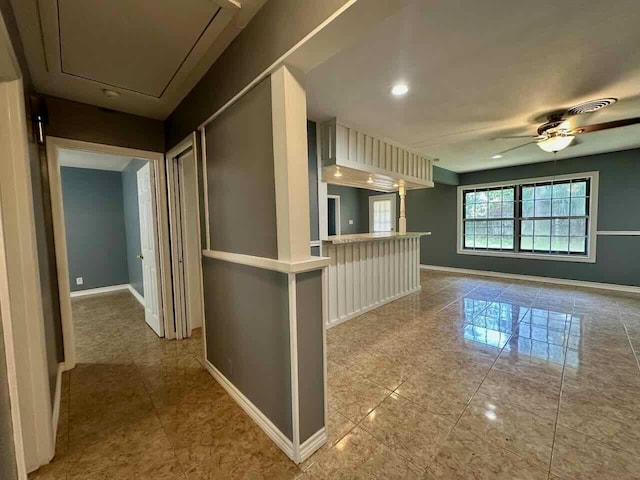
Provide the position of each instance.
(518, 217)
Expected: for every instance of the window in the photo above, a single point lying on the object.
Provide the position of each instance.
(551, 218)
(382, 213)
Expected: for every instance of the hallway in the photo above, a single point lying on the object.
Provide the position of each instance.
(473, 378)
(140, 407)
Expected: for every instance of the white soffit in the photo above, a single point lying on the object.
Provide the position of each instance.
(479, 70)
(151, 52)
(95, 161)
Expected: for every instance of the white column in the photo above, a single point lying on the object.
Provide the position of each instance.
(402, 227)
(289, 116)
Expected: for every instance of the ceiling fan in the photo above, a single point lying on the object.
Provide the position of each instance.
(553, 135)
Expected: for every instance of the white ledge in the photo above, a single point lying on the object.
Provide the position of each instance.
(312, 263)
(370, 237)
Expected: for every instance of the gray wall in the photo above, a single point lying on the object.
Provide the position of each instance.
(351, 208)
(240, 175)
(132, 222)
(313, 180)
(7, 453)
(95, 228)
(310, 356)
(617, 258)
(277, 27)
(79, 121)
(247, 315)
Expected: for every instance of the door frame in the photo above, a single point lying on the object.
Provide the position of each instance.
(392, 197)
(54, 144)
(21, 308)
(193, 303)
(338, 219)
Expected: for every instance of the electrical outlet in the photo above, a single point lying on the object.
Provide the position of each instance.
(350, 222)
(79, 281)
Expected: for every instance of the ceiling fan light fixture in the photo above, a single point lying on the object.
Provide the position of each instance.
(556, 143)
(399, 89)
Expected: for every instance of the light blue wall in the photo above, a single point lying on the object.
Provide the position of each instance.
(617, 258)
(132, 222)
(94, 222)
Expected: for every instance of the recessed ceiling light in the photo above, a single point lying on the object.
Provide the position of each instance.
(337, 174)
(399, 89)
(110, 93)
(495, 157)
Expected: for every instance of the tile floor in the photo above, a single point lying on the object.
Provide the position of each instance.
(473, 378)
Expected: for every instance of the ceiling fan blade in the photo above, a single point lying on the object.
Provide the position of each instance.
(500, 154)
(515, 136)
(605, 126)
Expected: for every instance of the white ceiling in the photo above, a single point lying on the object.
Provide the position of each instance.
(96, 161)
(478, 70)
(152, 52)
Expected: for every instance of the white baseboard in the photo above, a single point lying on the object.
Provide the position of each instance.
(362, 311)
(274, 433)
(313, 443)
(533, 278)
(135, 293)
(55, 417)
(95, 291)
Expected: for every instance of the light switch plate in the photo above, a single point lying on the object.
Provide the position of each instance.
(79, 281)
(350, 222)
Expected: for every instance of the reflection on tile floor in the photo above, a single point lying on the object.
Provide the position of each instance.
(473, 378)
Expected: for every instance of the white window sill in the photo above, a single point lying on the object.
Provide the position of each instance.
(530, 256)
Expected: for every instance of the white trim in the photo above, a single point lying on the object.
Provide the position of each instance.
(394, 213)
(593, 220)
(315, 243)
(20, 297)
(98, 290)
(135, 293)
(340, 320)
(338, 219)
(205, 187)
(533, 278)
(273, 432)
(313, 263)
(620, 233)
(313, 443)
(293, 356)
(56, 402)
(289, 131)
(54, 144)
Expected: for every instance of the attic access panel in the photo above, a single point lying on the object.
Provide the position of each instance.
(137, 45)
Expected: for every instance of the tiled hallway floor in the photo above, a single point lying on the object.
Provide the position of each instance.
(473, 378)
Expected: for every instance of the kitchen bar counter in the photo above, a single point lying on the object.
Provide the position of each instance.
(367, 237)
(369, 270)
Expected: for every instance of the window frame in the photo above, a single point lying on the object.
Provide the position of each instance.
(591, 230)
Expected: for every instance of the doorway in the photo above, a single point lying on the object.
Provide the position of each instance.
(382, 213)
(146, 270)
(333, 215)
(186, 248)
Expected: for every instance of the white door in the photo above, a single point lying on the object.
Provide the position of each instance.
(186, 251)
(382, 213)
(148, 247)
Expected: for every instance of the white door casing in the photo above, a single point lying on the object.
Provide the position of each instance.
(186, 249)
(149, 257)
